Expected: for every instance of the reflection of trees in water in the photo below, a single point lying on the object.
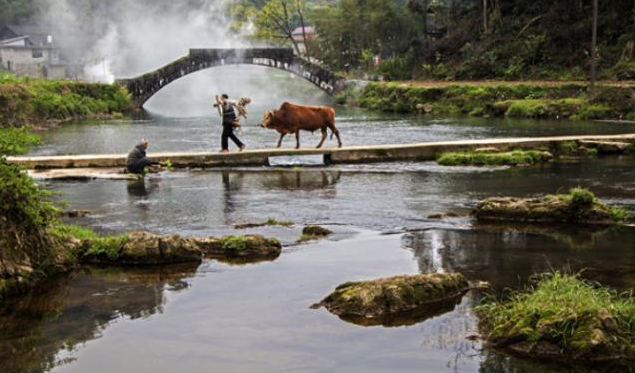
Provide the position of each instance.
(75, 308)
(507, 258)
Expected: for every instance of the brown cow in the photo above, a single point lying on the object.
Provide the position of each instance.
(292, 118)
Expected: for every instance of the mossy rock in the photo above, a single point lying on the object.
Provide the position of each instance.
(387, 297)
(313, 232)
(561, 317)
(494, 158)
(140, 248)
(580, 206)
(243, 247)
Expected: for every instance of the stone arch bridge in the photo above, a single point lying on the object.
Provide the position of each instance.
(145, 86)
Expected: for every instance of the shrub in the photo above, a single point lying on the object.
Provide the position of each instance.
(17, 140)
(31, 100)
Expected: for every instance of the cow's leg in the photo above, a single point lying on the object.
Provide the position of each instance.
(323, 137)
(297, 139)
(337, 134)
(280, 139)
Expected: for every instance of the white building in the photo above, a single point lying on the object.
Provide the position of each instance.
(32, 53)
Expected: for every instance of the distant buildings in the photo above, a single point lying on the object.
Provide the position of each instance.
(298, 37)
(28, 50)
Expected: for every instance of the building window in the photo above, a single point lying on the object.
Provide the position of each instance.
(37, 53)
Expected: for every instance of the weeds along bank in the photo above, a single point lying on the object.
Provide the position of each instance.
(561, 101)
(32, 101)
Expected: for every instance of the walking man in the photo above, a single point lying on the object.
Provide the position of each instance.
(226, 109)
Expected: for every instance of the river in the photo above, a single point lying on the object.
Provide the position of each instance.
(256, 318)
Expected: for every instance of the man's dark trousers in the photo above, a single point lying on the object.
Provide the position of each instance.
(228, 132)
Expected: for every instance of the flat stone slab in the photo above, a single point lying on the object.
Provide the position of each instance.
(350, 154)
(82, 174)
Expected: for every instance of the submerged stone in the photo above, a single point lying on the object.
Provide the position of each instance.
(372, 302)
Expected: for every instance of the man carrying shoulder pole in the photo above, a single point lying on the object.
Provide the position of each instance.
(226, 110)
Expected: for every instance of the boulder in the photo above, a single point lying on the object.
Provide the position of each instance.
(149, 248)
(391, 296)
(313, 232)
(316, 230)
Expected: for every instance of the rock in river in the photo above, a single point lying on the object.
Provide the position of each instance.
(387, 297)
(251, 246)
(579, 206)
(144, 248)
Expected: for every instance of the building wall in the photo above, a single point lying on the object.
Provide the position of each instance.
(29, 61)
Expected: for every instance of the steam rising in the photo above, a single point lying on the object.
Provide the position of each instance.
(123, 38)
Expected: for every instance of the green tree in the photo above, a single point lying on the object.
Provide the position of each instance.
(351, 28)
(278, 18)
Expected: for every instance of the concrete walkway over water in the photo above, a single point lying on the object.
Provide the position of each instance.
(350, 154)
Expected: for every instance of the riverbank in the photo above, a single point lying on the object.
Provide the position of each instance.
(538, 100)
(42, 102)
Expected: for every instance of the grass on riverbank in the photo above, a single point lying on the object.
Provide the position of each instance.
(98, 246)
(26, 100)
(478, 158)
(557, 101)
(581, 319)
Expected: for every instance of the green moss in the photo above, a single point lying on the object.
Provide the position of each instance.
(576, 316)
(474, 158)
(581, 197)
(619, 214)
(281, 223)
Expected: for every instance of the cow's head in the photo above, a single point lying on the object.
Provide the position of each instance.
(267, 119)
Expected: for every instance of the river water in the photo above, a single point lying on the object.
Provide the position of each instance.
(256, 318)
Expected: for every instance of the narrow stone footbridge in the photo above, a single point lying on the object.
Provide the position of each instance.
(145, 86)
(351, 154)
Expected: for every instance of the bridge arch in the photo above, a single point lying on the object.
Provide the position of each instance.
(145, 86)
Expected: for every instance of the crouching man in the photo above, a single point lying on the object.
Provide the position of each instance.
(137, 160)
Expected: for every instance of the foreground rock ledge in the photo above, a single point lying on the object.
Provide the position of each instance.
(392, 296)
(562, 208)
